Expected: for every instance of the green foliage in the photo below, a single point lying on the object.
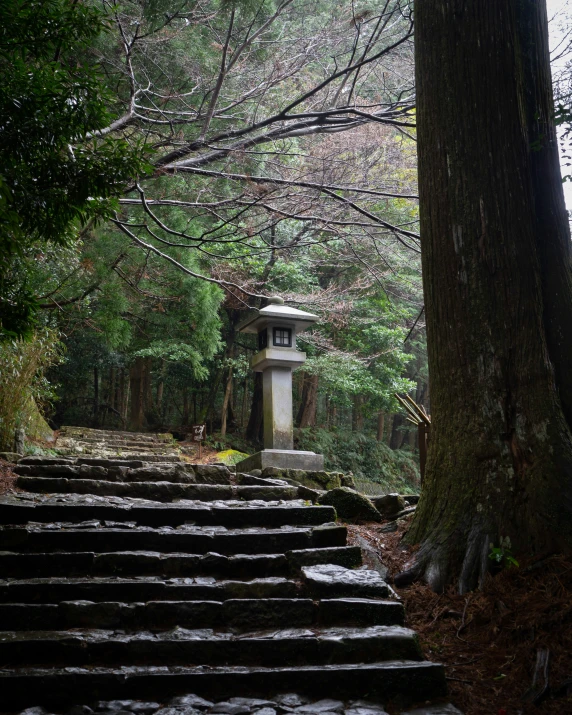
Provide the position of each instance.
(501, 555)
(56, 176)
(22, 380)
(364, 456)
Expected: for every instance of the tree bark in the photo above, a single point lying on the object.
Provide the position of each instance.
(138, 385)
(255, 427)
(226, 403)
(396, 437)
(496, 268)
(357, 413)
(380, 426)
(95, 396)
(308, 406)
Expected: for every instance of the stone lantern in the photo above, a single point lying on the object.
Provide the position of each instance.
(277, 326)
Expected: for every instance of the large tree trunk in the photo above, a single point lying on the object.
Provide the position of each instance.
(496, 267)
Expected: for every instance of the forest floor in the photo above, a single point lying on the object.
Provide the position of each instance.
(489, 639)
(7, 476)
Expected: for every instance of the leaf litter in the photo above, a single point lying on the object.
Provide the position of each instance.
(507, 648)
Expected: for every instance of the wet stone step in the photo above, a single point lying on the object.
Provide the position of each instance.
(96, 467)
(332, 581)
(67, 510)
(159, 472)
(237, 614)
(140, 563)
(54, 590)
(146, 588)
(192, 704)
(206, 646)
(386, 680)
(127, 461)
(186, 539)
(156, 490)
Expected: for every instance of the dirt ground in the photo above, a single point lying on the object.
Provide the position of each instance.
(489, 640)
(7, 477)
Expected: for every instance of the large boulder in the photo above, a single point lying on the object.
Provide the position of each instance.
(350, 505)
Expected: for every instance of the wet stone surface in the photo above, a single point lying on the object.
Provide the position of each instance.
(136, 582)
(192, 704)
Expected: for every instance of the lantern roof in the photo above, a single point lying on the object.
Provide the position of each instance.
(279, 314)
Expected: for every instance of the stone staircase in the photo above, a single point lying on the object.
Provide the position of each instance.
(125, 580)
(111, 443)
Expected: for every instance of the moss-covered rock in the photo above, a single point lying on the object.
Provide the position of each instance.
(350, 505)
(348, 481)
(230, 457)
(389, 505)
(313, 480)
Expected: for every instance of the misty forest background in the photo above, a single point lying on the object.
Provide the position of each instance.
(209, 154)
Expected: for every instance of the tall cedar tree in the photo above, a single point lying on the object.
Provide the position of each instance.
(497, 269)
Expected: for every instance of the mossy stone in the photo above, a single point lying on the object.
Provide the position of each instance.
(350, 505)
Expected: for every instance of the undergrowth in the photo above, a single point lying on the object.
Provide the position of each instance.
(23, 386)
(364, 456)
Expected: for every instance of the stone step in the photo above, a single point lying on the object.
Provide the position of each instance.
(236, 614)
(156, 491)
(122, 470)
(127, 461)
(70, 431)
(347, 584)
(273, 648)
(21, 687)
(67, 510)
(167, 565)
(188, 539)
(121, 439)
(55, 590)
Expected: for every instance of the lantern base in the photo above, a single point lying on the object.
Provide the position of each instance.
(282, 459)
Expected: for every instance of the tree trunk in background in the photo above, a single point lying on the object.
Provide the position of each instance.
(357, 413)
(380, 425)
(396, 437)
(244, 403)
(95, 396)
(160, 391)
(112, 388)
(147, 391)
(185, 417)
(226, 403)
(497, 271)
(309, 405)
(137, 385)
(255, 427)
